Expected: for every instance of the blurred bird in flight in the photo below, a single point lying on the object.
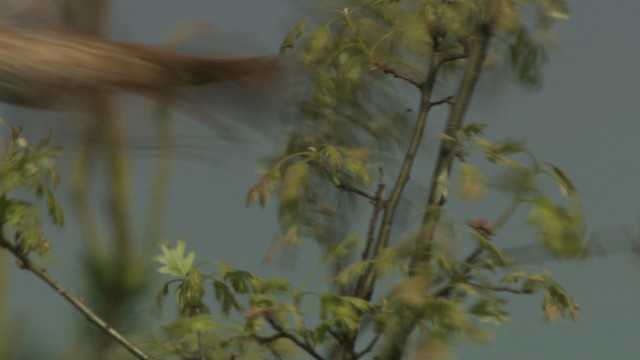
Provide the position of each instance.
(50, 67)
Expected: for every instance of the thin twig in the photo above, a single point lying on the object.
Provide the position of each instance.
(282, 333)
(365, 284)
(455, 57)
(344, 345)
(378, 205)
(352, 189)
(268, 339)
(336, 336)
(446, 100)
(26, 264)
(368, 348)
(380, 66)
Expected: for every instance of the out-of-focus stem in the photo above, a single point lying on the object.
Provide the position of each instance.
(161, 179)
(395, 341)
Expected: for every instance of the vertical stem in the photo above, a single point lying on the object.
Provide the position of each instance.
(90, 17)
(80, 189)
(118, 169)
(441, 177)
(406, 319)
(161, 179)
(365, 284)
(4, 310)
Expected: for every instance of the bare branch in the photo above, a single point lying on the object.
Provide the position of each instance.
(455, 57)
(446, 100)
(380, 66)
(365, 286)
(419, 263)
(26, 264)
(352, 189)
(282, 333)
(378, 205)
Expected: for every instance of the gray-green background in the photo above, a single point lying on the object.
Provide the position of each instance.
(584, 119)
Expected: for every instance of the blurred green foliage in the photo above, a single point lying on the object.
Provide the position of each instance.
(27, 170)
(357, 63)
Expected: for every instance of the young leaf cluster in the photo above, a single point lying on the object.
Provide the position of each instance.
(258, 317)
(27, 170)
(560, 226)
(352, 54)
(302, 178)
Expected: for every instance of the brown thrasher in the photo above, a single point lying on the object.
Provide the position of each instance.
(46, 68)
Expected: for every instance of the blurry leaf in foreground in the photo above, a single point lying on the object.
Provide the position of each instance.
(470, 182)
(560, 229)
(606, 242)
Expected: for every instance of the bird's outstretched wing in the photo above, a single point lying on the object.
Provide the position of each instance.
(45, 68)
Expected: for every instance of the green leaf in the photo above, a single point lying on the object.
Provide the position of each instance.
(447, 314)
(566, 186)
(291, 237)
(164, 291)
(415, 34)
(344, 310)
(225, 297)
(509, 147)
(191, 325)
(358, 170)
(359, 304)
(557, 303)
(274, 286)
(526, 57)
(260, 191)
(494, 253)
(474, 129)
(333, 158)
(266, 302)
(241, 281)
(295, 182)
(515, 180)
(190, 294)
(470, 182)
(560, 230)
(317, 45)
(549, 11)
(174, 260)
(293, 34)
(351, 272)
(515, 276)
(491, 311)
(55, 210)
(343, 249)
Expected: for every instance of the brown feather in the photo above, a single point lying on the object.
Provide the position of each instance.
(41, 68)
